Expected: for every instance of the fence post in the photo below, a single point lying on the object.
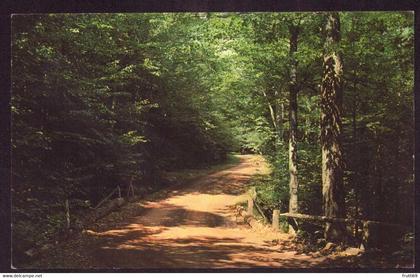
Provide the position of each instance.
(250, 210)
(275, 221)
(371, 232)
(251, 198)
(253, 192)
(293, 226)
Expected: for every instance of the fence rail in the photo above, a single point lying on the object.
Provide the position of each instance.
(252, 202)
(117, 189)
(342, 220)
(369, 227)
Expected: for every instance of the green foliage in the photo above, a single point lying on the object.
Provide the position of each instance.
(99, 100)
(377, 101)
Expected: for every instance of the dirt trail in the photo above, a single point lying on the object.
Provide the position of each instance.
(193, 227)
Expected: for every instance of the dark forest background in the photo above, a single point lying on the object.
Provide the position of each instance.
(100, 100)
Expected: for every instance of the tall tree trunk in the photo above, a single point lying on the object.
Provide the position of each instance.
(379, 212)
(355, 175)
(280, 117)
(293, 182)
(278, 107)
(331, 109)
(67, 212)
(276, 114)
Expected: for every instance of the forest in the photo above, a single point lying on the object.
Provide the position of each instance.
(100, 100)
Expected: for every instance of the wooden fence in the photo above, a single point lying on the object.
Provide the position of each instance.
(105, 206)
(370, 228)
(111, 204)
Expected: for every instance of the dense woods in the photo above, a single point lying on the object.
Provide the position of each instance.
(100, 100)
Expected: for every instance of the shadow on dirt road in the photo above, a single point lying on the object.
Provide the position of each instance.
(191, 227)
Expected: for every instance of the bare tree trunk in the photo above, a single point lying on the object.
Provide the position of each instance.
(279, 116)
(276, 114)
(379, 211)
(331, 130)
(272, 111)
(355, 174)
(67, 212)
(293, 182)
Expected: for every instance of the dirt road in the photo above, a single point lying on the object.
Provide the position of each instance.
(192, 227)
(195, 227)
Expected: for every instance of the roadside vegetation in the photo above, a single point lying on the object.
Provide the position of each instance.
(132, 100)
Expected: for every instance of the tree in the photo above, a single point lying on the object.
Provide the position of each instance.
(331, 128)
(293, 106)
(162, 92)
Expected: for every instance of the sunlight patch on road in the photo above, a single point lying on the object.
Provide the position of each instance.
(203, 202)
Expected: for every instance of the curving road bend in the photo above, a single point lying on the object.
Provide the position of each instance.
(195, 227)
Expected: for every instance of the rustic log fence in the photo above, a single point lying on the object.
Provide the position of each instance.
(252, 202)
(117, 189)
(370, 228)
(100, 210)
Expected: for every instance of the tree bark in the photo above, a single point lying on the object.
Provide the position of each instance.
(293, 182)
(355, 175)
(331, 129)
(279, 116)
(273, 114)
(276, 114)
(67, 212)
